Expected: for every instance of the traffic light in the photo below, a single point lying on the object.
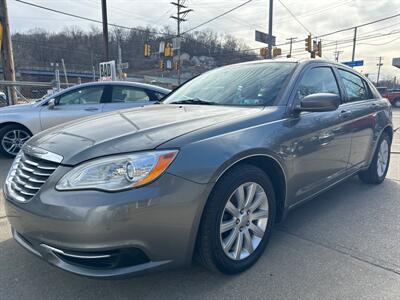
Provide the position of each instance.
(1, 35)
(264, 52)
(319, 49)
(176, 65)
(308, 43)
(162, 64)
(276, 52)
(147, 50)
(168, 51)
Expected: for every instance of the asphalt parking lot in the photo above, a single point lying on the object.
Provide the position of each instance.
(343, 245)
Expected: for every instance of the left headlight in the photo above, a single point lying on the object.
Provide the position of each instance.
(117, 173)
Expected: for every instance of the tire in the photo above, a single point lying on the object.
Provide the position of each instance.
(7, 134)
(209, 249)
(376, 174)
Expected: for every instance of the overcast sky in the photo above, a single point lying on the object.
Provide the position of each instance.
(319, 17)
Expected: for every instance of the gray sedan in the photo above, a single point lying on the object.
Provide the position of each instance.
(18, 123)
(206, 174)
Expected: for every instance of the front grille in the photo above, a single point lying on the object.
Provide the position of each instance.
(31, 173)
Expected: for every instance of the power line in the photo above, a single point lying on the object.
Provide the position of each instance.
(294, 17)
(89, 19)
(219, 16)
(362, 25)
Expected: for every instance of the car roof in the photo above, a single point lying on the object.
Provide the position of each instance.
(127, 83)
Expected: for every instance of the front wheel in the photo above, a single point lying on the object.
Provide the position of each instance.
(237, 221)
(377, 171)
(12, 138)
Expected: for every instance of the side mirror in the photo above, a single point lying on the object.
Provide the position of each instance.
(51, 104)
(319, 102)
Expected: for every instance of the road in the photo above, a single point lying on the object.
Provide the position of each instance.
(344, 244)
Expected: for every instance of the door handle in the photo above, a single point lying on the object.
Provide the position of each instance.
(91, 109)
(345, 114)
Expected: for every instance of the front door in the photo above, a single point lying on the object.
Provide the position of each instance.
(321, 143)
(75, 104)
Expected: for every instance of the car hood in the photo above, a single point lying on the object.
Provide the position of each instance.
(15, 108)
(131, 130)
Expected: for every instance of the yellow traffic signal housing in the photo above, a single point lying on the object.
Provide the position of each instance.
(276, 52)
(1, 35)
(147, 50)
(162, 64)
(263, 52)
(176, 65)
(319, 49)
(168, 51)
(308, 43)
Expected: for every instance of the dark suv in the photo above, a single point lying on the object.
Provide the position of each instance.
(206, 173)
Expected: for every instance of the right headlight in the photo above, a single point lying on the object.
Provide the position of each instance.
(118, 172)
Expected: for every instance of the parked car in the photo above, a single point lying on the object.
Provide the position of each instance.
(3, 99)
(18, 123)
(205, 174)
(393, 95)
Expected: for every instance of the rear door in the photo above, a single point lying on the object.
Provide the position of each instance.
(321, 144)
(127, 97)
(75, 104)
(361, 108)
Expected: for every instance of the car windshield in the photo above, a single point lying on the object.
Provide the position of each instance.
(243, 85)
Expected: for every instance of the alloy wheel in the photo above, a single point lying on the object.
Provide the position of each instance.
(13, 141)
(383, 157)
(244, 221)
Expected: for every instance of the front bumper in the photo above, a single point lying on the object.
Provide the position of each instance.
(100, 234)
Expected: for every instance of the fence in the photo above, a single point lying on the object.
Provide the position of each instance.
(25, 92)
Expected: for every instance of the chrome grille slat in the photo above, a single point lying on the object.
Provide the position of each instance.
(31, 174)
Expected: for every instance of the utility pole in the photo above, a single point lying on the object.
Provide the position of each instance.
(337, 53)
(65, 71)
(380, 64)
(180, 17)
(291, 44)
(105, 29)
(354, 44)
(271, 10)
(56, 76)
(119, 60)
(6, 51)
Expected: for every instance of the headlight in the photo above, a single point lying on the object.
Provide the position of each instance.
(116, 173)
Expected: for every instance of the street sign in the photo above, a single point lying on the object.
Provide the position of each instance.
(176, 43)
(161, 47)
(108, 71)
(396, 62)
(263, 37)
(123, 66)
(352, 64)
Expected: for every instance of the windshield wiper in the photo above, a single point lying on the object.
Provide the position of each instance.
(194, 101)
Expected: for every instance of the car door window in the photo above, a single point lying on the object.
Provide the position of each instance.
(355, 86)
(87, 95)
(123, 94)
(317, 80)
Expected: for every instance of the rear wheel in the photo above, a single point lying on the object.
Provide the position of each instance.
(237, 221)
(12, 138)
(377, 171)
(396, 102)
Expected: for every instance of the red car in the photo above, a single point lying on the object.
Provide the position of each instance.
(392, 95)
